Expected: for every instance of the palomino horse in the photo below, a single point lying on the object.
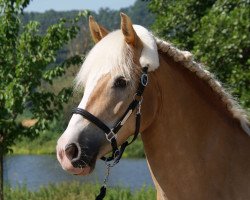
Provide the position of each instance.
(195, 136)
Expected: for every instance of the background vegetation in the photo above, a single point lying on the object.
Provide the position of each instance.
(75, 190)
(216, 31)
(28, 59)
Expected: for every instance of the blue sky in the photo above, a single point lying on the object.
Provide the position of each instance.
(63, 5)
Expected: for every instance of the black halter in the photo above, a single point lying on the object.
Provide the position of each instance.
(111, 132)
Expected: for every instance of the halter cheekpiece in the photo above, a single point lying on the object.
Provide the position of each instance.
(111, 133)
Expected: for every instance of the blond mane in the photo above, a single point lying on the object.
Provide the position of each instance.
(186, 60)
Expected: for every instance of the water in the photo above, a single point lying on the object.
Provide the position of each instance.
(35, 171)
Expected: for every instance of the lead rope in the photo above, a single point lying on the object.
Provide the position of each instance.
(103, 189)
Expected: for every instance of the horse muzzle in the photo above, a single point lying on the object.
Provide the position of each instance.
(74, 159)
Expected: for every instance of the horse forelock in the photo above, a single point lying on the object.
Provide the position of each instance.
(186, 60)
(109, 55)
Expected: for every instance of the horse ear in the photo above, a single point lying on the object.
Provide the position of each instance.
(128, 31)
(97, 31)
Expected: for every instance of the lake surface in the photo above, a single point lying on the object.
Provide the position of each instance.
(35, 171)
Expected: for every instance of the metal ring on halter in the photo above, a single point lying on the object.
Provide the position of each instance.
(144, 79)
(116, 153)
(111, 163)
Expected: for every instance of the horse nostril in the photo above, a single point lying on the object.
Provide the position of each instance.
(71, 151)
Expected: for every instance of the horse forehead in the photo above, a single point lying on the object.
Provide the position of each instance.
(105, 55)
(110, 47)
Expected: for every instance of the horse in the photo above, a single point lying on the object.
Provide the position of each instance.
(195, 135)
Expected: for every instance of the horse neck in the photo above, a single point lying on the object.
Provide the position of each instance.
(193, 146)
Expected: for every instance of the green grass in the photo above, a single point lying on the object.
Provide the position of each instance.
(76, 191)
(37, 146)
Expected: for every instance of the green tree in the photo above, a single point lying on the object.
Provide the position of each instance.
(179, 20)
(216, 31)
(27, 59)
(223, 43)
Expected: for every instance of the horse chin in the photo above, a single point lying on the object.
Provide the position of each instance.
(77, 171)
(88, 169)
(83, 171)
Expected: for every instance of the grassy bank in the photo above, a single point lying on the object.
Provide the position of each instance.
(45, 143)
(75, 190)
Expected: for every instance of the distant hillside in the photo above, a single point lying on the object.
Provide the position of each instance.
(109, 18)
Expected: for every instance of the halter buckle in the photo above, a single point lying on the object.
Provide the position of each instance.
(110, 135)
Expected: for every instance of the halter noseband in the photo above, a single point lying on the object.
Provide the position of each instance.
(111, 133)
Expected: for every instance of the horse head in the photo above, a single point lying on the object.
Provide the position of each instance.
(110, 76)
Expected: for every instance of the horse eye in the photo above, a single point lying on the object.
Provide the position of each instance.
(120, 83)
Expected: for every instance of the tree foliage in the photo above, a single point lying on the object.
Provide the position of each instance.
(179, 20)
(216, 31)
(223, 42)
(27, 59)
